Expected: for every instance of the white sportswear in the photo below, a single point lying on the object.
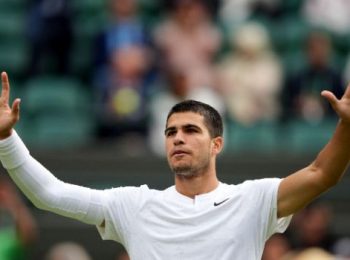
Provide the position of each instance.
(230, 222)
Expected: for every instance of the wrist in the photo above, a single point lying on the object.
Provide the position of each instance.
(13, 152)
(5, 134)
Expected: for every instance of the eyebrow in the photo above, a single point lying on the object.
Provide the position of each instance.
(172, 128)
(168, 129)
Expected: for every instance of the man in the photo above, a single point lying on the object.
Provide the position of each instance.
(199, 217)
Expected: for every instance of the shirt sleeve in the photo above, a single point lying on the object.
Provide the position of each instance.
(121, 207)
(264, 194)
(44, 189)
(276, 225)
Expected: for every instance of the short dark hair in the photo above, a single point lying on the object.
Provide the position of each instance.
(212, 118)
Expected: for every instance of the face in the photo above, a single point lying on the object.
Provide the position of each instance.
(189, 146)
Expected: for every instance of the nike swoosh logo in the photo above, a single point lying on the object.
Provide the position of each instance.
(219, 203)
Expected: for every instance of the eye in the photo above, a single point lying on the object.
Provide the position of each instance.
(170, 133)
(191, 130)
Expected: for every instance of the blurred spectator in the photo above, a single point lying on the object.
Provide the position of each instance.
(18, 229)
(233, 13)
(302, 92)
(271, 9)
(123, 255)
(329, 14)
(188, 39)
(175, 88)
(276, 247)
(311, 228)
(342, 247)
(250, 77)
(124, 30)
(121, 72)
(67, 251)
(311, 254)
(49, 30)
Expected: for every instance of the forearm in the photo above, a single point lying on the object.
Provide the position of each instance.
(333, 160)
(45, 190)
(48, 193)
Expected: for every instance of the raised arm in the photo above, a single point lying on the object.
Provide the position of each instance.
(35, 181)
(300, 188)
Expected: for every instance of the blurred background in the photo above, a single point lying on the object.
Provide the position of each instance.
(97, 78)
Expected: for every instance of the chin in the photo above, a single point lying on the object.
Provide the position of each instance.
(183, 170)
(180, 167)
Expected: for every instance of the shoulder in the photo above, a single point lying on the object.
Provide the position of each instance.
(131, 198)
(260, 185)
(132, 190)
(129, 193)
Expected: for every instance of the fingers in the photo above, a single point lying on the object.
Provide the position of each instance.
(15, 108)
(347, 91)
(5, 92)
(332, 99)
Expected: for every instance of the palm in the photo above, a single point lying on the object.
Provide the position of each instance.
(8, 116)
(6, 119)
(340, 106)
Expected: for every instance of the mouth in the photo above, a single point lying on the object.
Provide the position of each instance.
(179, 153)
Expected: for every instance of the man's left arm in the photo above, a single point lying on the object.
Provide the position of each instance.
(303, 186)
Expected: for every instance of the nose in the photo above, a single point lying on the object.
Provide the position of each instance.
(179, 138)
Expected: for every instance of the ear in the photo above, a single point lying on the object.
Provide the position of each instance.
(218, 144)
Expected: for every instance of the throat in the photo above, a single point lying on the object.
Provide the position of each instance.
(195, 185)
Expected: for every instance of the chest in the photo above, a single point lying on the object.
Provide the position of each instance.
(225, 219)
(203, 231)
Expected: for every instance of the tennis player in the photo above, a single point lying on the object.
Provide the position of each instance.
(197, 218)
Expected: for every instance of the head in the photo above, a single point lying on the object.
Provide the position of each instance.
(123, 9)
(194, 137)
(315, 223)
(129, 62)
(276, 247)
(318, 48)
(67, 251)
(190, 13)
(177, 80)
(123, 255)
(251, 40)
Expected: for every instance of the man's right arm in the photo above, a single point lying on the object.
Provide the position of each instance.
(35, 181)
(44, 189)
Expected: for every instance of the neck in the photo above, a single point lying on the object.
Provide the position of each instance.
(196, 185)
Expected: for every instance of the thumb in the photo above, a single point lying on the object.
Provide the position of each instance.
(15, 108)
(332, 99)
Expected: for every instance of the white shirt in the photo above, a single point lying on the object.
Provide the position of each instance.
(231, 222)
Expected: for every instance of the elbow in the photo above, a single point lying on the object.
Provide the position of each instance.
(324, 180)
(333, 182)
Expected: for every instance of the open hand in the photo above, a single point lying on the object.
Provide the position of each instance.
(8, 115)
(340, 106)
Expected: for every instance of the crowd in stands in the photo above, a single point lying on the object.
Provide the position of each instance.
(309, 237)
(259, 62)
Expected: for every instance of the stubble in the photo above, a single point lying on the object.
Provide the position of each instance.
(188, 170)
